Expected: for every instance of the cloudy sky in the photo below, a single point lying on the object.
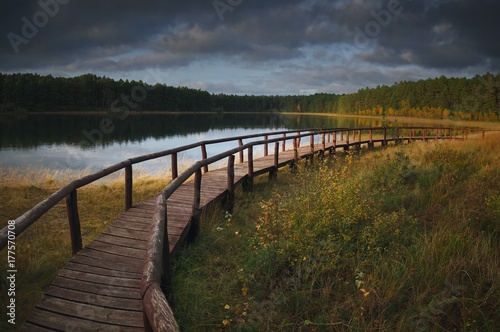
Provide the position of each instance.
(253, 46)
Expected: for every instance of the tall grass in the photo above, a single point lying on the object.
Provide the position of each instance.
(397, 239)
(44, 248)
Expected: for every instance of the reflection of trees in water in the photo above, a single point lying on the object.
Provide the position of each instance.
(35, 130)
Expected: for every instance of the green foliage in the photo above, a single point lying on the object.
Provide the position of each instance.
(440, 98)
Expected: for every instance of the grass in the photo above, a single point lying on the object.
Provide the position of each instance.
(396, 239)
(44, 248)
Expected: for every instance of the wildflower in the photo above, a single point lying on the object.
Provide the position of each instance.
(244, 291)
(226, 322)
(227, 307)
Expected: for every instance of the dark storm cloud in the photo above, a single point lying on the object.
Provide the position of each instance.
(125, 35)
(440, 34)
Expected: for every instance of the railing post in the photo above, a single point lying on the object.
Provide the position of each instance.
(299, 139)
(334, 147)
(384, 143)
(240, 144)
(370, 144)
(229, 204)
(128, 187)
(311, 148)
(266, 148)
(425, 134)
(323, 146)
(194, 230)
(74, 222)
(175, 169)
(250, 169)
(295, 160)
(342, 136)
(411, 135)
(274, 172)
(347, 146)
(204, 156)
(166, 274)
(284, 143)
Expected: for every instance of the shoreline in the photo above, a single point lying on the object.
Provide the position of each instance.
(469, 123)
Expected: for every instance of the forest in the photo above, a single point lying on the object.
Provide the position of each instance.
(476, 98)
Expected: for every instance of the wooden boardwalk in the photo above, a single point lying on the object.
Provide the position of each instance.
(114, 283)
(99, 288)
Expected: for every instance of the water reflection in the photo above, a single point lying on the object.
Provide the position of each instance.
(95, 141)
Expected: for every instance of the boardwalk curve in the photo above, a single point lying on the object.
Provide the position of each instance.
(121, 280)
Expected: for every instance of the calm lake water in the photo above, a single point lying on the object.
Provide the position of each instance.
(83, 142)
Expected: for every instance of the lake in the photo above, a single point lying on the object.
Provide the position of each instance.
(92, 142)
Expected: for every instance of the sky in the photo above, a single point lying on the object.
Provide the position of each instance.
(258, 47)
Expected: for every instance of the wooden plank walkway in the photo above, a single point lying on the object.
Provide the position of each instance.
(99, 288)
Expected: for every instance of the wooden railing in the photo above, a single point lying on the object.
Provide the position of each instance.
(158, 271)
(69, 192)
(157, 267)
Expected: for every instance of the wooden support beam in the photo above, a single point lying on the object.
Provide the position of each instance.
(347, 146)
(166, 268)
(175, 166)
(194, 230)
(74, 222)
(128, 187)
(204, 156)
(323, 146)
(229, 204)
(249, 185)
(274, 172)
(266, 147)
(240, 144)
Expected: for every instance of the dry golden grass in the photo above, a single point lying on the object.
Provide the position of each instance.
(44, 248)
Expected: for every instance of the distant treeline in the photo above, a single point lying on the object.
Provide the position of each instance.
(477, 98)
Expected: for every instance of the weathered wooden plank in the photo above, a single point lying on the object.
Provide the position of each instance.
(58, 322)
(117, 250)
(104, 280)
(91, 312)
(101, 271)
(110, 265)
(101, 298)
(33, 328)
(93, 288)
(96, 254)
(131, 225)
(121, 241)
(127, 233)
